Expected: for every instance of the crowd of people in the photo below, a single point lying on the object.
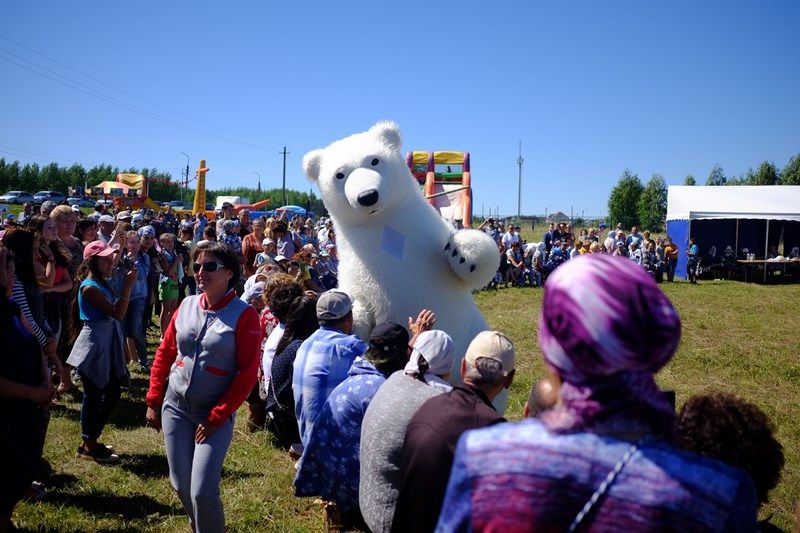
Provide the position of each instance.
(249, 313)
(525, 263)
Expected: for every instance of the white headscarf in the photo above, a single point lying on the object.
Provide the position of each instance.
(436, 348)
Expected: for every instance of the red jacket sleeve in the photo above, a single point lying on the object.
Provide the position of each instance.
(166, 353)
(248, 356)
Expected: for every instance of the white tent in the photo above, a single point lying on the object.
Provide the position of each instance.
(729, 215)
(766, 202)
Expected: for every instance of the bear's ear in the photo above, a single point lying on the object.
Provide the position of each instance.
(311, 164)
(388, 133)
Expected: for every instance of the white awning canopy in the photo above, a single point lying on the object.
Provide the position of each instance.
(764, 202)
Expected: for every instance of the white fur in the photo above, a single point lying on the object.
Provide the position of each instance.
(385, 288)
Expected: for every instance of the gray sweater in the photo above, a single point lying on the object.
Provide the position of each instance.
(382, 435)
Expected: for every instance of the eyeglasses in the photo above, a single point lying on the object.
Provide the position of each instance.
(209, 266)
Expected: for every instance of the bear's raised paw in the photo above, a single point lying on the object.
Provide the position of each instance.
(472, 255)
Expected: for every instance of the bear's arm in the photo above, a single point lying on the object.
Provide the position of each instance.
(363, 320)
(472, 256)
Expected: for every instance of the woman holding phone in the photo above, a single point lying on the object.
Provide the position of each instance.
(98, 354)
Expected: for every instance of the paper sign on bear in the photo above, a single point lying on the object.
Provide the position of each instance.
(397, 255)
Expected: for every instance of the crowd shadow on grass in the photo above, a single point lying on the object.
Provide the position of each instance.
(145, 465)
(135, 507)
(65, 411)
(60, 482)
(155, 466)
(129, 412)
(237, 474)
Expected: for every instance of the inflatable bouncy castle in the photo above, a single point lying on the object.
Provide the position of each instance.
(446, 181)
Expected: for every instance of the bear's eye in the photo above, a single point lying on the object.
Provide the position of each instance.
(375, 162)
(340, 175)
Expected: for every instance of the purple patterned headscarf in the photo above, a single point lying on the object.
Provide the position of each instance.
(606, 328)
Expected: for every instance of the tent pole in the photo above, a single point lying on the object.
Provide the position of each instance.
(736, 246)
(766, 249)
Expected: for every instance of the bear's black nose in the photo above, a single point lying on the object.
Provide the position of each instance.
(368, 198)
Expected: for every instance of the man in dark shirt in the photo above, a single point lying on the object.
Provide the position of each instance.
(549, 237)
(431, 437)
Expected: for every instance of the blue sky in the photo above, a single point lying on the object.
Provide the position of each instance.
(590, 88)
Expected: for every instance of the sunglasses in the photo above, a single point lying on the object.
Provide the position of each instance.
(209, 266)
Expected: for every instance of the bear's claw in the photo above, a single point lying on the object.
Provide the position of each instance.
(466, 251)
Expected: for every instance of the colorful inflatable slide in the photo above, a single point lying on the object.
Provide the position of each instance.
(129, 191)
(446, 181)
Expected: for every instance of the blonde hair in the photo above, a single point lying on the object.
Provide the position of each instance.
(61, 211)
(275, 280)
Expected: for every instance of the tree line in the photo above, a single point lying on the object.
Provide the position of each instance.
(309, 200)
(631, 203)
(32, 177)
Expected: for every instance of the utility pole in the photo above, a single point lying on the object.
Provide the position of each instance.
(284, 152)
(519, 187)
(186, 176)
(259, 180)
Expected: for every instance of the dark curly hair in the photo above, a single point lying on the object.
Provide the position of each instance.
(301, 319)
(725, 427)
(282, 298)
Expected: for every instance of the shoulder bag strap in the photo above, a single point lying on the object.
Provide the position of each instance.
(603, 488)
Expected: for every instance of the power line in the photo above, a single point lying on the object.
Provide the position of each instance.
(76, 85)
(35, 160)
(113, 100)
(20, 151)
(18, 148)
(132, 94)
(231, 183)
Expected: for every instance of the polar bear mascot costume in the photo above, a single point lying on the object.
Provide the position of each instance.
(397, 255)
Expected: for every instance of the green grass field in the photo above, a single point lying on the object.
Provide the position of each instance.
(736, 337)
(739, 338)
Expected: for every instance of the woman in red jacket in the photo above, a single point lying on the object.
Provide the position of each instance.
(203, 371)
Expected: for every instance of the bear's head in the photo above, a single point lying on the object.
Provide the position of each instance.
(363, 177)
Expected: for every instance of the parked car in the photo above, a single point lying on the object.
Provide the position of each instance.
(16, 197)
(81, 201)
(178, 204)
(43, 196)
(294, 210)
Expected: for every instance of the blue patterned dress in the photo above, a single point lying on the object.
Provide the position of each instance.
(330, 464)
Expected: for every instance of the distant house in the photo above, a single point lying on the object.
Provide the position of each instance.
(558, 218)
